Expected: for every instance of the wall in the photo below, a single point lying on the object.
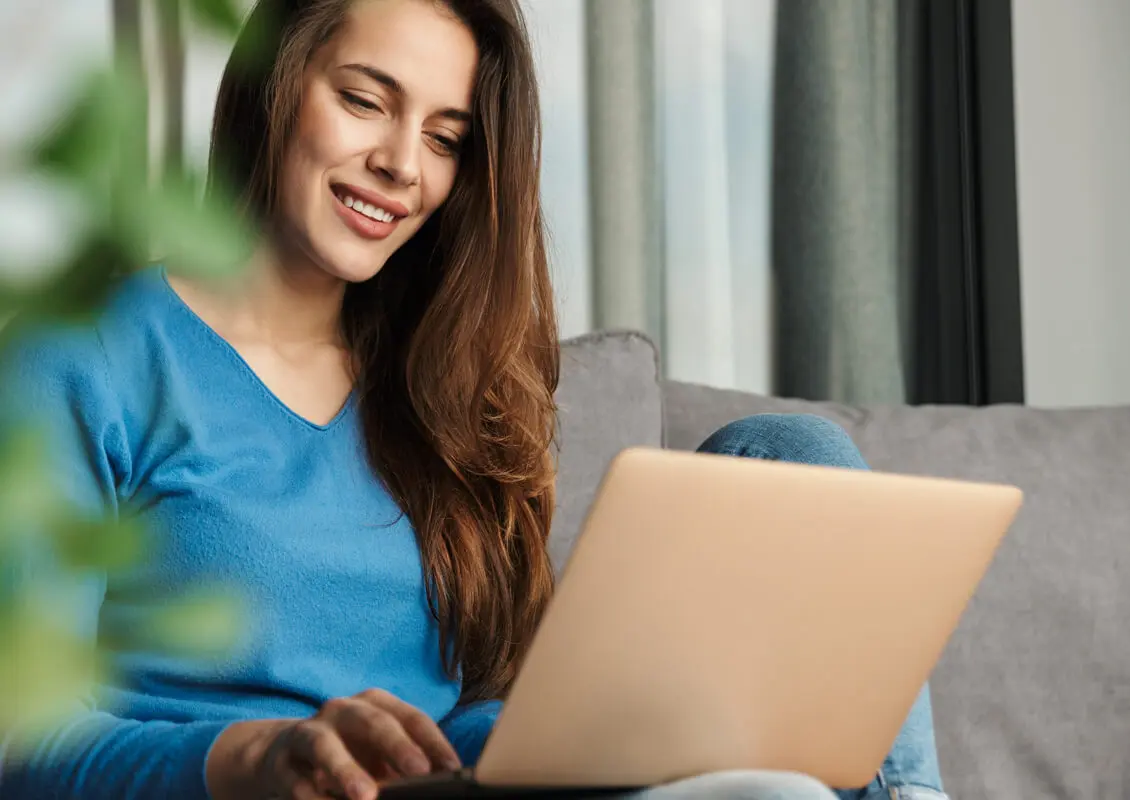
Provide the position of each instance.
(1072, 71)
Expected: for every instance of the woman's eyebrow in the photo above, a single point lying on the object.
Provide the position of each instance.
(396, 87)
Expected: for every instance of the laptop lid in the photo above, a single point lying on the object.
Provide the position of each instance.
(725, 613)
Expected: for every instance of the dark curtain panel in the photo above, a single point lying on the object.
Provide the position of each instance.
(894, 207)
(967, 332)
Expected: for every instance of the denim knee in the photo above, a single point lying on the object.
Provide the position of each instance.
(742, 785)
(798, 438)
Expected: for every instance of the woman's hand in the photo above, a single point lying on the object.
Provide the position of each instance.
(344, 750)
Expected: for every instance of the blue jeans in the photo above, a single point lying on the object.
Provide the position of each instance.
(766, 785)
(741, 785)
(910, 771)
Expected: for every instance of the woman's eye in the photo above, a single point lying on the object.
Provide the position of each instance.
(447, 144)
(359, 102)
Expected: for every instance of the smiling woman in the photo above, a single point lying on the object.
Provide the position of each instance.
(383, 128)
(355, 430)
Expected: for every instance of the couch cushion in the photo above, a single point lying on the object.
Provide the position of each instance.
(1032, 697)
(608, 400)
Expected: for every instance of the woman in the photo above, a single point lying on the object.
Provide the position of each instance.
(356, 431)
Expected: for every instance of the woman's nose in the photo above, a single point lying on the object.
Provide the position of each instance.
(397, 156)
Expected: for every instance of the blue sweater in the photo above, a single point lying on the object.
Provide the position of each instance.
(151, 412)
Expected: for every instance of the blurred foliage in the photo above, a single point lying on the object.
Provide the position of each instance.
(221, 15)
(97, 151)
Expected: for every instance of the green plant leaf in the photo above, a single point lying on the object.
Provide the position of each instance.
(98, 149)
(220, 15)
(203, 624)
(28, 497)
(101, 141)
(195, 234)
(77, 291)
(32, 506)
(100, 544)
(43, 669)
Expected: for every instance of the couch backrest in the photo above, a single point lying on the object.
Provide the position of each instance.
(1032, 696)
(608, 400)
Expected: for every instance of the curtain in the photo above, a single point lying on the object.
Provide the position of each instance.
(843, 181)
(623, 179)
(714, 69)
(895, 242)
(669, 167)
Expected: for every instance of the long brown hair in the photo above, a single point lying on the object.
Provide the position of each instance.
(455, 339)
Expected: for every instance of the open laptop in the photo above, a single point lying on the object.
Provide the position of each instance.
(724, 613)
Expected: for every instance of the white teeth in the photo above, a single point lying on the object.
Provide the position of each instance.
(377, 213)
(368, 210)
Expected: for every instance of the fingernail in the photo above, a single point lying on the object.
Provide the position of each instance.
(362, 790)
(451, 764)
(417, 765)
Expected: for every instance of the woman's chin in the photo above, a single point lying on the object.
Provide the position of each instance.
(355, 269)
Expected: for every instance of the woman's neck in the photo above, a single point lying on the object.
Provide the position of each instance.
(279, 300)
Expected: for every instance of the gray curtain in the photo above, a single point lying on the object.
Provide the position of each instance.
(623, 166)
(155, 32)
(128, 33)
(843, 175)
(170, 36)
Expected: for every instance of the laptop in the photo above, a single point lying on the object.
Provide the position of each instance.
(723, 613)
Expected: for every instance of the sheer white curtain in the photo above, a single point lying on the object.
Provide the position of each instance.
(557, 28)
(712, 69)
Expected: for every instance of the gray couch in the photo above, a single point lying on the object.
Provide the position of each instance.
(1032, 697)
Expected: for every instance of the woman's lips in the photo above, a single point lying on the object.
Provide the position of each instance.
(364, 226)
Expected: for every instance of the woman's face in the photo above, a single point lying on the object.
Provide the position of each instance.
(385, 107)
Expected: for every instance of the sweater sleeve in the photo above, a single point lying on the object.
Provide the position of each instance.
(59, 381)
(468, 726)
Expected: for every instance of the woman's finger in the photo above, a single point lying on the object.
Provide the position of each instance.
(304, 790)
(378, 734)
(317, 745)
(294, 785)
(422, 728)
(327, 786)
